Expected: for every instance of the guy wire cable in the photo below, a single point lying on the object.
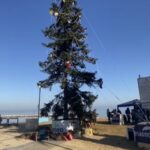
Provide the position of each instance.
(111, 92)
(100, 42)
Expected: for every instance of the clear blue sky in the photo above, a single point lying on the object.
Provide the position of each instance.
(118, 35)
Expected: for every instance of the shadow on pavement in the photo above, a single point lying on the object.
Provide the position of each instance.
(113, 140)
(54, 144)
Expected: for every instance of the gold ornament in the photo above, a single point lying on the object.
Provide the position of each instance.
(51, 11)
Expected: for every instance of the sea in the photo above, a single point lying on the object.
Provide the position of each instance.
(101, 111)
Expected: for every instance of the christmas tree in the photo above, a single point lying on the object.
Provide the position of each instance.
(65, 64)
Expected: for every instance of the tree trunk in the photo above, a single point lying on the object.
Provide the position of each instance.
(66, 101)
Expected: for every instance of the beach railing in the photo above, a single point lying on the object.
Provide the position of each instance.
(16, 117)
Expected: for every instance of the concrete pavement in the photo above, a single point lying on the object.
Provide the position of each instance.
(44, 145)
(31, 146)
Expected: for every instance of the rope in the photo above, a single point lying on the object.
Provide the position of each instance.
(146, 118)
(94, 31)
(101, 44)
(111, 92)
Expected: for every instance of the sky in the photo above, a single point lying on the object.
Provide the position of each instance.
(118, 36)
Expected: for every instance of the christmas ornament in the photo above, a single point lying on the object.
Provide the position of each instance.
(51, 11)
(51, 55)
(73, 3)
(69, 20)
(68, 64)
(56, 14)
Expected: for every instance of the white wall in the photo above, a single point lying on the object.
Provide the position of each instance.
(144, 91)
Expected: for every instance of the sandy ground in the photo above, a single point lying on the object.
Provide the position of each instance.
(107, 137)
(94, 143)
(11, 137)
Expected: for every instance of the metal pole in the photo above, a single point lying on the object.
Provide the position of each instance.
(39, 102)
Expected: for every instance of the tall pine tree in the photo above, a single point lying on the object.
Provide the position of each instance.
(65, 64)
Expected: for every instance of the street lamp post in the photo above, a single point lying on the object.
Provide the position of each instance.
(39, 102)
